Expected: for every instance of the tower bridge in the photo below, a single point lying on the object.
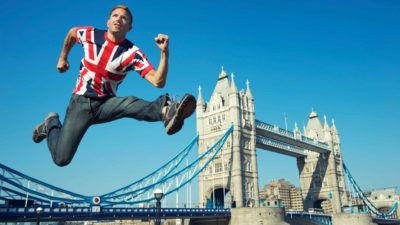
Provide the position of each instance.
(226, 170)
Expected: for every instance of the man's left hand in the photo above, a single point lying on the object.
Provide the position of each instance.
(162, 42)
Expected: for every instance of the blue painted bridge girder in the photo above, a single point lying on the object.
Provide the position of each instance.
(98, 213)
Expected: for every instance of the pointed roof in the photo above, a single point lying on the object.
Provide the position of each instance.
(314, 126)
(313, 114)
(223, 74)
(248, 92)
(222, 86)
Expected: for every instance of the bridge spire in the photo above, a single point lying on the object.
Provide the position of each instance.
(199, 98)
(326, 126)
(248, 92)
(233, 88)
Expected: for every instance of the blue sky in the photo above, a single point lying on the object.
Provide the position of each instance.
(341, 58)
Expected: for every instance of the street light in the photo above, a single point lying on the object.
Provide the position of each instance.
(158, 195)
(39, 211)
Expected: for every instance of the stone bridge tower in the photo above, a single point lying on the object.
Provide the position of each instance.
(231, 180)
(321, 175)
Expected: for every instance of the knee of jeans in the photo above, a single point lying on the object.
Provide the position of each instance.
(61, 162)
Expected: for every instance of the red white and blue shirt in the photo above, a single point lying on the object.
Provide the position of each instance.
(106, 63)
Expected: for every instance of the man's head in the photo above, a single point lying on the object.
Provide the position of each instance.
(120, 20)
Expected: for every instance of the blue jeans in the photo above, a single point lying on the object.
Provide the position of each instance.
(82, 112)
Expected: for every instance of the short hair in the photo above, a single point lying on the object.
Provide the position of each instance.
(124, 7)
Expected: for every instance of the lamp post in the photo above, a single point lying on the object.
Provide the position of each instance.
(39, 211)
(158, 195)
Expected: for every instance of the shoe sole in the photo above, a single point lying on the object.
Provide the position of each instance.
(190, 106)
(39, 137)
(36, 137)
(186, 108)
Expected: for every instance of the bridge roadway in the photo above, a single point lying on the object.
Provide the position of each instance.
(22, 214)
(288, 138)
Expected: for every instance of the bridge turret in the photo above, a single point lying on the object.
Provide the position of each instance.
(200, 109)
(232, 177)
(321, 175)
(248, 92)
(327, 132)
(201, 106)
(335, 132)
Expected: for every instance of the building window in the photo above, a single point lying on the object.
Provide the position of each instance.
(210, 121)
(218, 167)
(223, 117)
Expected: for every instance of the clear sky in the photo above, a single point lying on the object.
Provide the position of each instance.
(341, 58)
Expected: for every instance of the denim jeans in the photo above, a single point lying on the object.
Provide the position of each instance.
(82, 112)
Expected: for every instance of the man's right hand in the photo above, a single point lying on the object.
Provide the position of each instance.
(62, 65)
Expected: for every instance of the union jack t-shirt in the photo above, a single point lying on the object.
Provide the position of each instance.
(106, 63)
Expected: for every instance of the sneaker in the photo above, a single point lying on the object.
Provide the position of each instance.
(40, 131)
(177, 112)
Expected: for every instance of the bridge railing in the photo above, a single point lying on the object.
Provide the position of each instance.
(289, 134)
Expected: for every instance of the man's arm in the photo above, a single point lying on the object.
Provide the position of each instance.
(70, 39)
(159, 78)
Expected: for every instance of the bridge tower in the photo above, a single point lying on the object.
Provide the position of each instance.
(321, 175)
(231, 180)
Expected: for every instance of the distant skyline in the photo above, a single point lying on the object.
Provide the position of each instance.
(339, 58)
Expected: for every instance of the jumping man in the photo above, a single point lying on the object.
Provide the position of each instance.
(108, 57)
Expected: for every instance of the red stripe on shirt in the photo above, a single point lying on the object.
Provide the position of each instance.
(146, 70)
(101, 67)
(80, 84)
(107, 74)
(127, 61)
(90, 43)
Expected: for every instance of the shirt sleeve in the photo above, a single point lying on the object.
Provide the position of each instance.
(140, 63)
(83, 34)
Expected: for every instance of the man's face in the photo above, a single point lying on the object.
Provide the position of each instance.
(119, 21)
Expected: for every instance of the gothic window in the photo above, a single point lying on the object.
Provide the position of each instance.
(228, 144)
(210, 169)
(210, 121)
(218, 167)
(223, 117)
(214, 119)
(219, 118)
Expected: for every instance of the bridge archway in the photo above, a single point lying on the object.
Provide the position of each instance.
(222, 198)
